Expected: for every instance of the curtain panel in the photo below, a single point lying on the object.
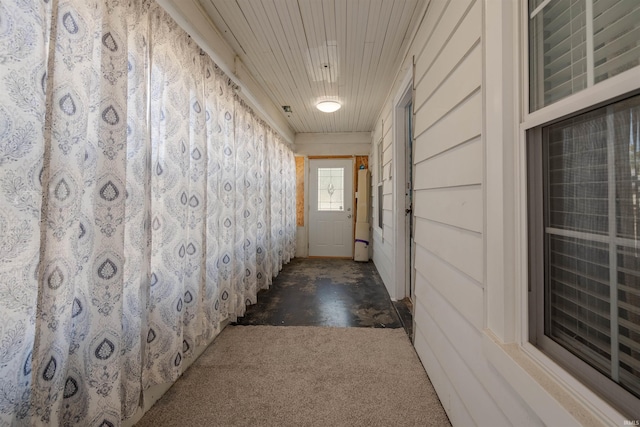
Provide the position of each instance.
(142, 204)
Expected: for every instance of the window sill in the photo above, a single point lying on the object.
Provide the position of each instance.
(540, 383)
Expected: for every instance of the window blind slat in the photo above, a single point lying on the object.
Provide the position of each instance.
(632, 345)
(606, 13)
(559, 35)
(566, 89)
(616, 38)
(595, 357)
(601, 6)
(590, 313)
(562, 46)
(573, 326)
(622, 44)
(621, 63)
(627, 22)
(630, 308)
(557, 16)
(627, 289)
(632, 327)
(634, 364)
(563, 69)
(601, 296)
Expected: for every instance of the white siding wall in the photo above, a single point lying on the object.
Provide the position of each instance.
(449, 211)
(382, 247)
(479, 379)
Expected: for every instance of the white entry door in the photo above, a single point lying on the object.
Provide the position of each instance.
(331, 207)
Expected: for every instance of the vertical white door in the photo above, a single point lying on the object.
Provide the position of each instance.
(331, 207)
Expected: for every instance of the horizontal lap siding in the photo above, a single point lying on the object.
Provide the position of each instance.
(381, 256)
(460, 248)
(449, 214)
(383, 238)
(462, 124)
(453, 344)
(455, 354)
(456, 206)
(457, 166)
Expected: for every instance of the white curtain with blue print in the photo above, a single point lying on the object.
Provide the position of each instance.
(142, 203)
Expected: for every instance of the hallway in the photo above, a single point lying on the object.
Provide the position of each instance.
(323, 346)
(163, 162)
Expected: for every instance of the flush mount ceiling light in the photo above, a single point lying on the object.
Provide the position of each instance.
(328, 106)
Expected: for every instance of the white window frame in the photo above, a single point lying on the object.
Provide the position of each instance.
(602, 92)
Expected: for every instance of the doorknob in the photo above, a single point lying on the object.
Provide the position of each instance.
(349, 216)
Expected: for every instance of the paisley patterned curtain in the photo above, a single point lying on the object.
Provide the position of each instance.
(142, 204)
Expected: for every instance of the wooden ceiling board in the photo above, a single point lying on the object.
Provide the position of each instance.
(359, 13)
(301, 51)
(273, 68)
(388, 49)
(307, 72)
(381, 29)
(321, 56)
(298, 54)
(253, 45)
(293, 31)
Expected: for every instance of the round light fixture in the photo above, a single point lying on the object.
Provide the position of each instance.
(328, 106)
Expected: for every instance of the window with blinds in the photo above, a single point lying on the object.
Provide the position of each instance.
(574, 44)
(589, 280)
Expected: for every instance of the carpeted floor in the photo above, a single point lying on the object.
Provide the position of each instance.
(302, 376)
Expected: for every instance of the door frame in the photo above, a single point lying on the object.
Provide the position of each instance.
(307, 204)
(402, 284)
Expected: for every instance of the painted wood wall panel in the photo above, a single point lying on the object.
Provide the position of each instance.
(428, 77)
(461, 124)
(457, 288)
(428, 27)
(453, 405)
(462, 82)
(463, 364)
(481, 407)
(447, 24)
(383, 237)
(460, 207)
(459, 165)
(449, 323)
(381, 255)
(461, 248)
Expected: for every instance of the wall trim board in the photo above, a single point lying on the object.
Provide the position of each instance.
(340, 138)
(404, 95)
(333, 144)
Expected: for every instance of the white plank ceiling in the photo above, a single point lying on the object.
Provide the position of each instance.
(304, 51)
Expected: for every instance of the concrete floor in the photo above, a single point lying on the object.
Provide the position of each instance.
(325, 292)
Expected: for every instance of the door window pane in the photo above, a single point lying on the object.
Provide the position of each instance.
(331, 189)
